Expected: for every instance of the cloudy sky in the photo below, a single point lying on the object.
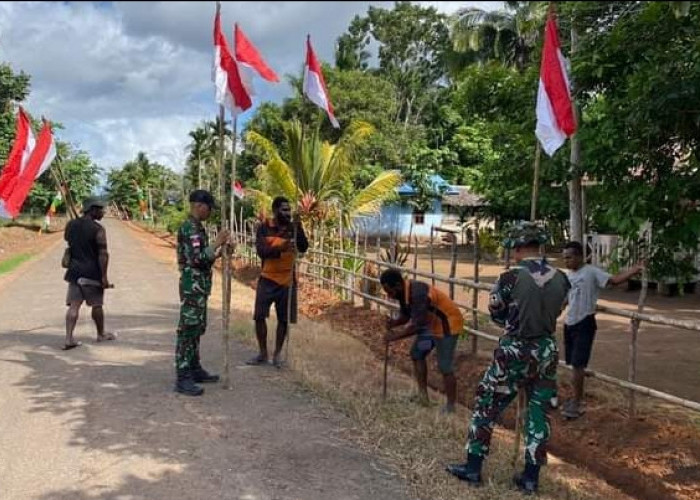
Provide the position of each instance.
(129, 77)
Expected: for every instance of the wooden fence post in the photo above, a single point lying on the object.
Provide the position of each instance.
(475, 298)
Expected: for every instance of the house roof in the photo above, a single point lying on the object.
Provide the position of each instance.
(407, 189)
(461, 196)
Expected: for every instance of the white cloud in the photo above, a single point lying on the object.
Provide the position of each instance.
(125, 77)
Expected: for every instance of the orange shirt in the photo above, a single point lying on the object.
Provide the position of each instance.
(276, 263)
(433, 309)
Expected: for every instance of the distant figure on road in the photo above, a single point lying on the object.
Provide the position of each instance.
(435, 321)
(580, 324)
(276, 248)
(195, 259)
(87, 246)
(526, 300)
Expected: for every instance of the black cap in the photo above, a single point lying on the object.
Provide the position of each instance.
(93, 202)
(202, 196)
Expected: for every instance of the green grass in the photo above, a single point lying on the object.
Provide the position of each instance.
(10, 264)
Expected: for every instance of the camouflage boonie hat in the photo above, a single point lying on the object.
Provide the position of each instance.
(524, 233)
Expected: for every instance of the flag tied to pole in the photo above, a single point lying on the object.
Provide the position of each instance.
(555, 110)
(314, 84)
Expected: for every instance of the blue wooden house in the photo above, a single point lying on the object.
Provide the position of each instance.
(400, 218)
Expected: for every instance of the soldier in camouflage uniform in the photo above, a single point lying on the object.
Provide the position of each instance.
(526, 300)
(195, 259)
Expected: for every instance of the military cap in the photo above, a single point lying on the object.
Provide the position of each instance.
(524, 233)
(202, 196)
(93, 202)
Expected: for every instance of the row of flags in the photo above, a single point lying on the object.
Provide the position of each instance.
(233, 73)
(28, 159)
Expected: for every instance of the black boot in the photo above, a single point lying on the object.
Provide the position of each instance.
(185, 383)
(528, 481)
(469, 471)
(201, 376)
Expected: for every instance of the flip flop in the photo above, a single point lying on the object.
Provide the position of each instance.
(256, 361)
(68, 347)
(106, 337)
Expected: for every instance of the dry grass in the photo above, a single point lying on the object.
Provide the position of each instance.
(413, 442)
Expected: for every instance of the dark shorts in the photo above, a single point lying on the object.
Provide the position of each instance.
(92, 295)
(426, 342)
(269, 292)
(578, 341)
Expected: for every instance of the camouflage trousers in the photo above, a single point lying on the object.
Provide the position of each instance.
(517, 364)
(192, 324)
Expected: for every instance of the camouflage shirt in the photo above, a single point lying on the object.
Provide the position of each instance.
(527, 299)
(194, 257)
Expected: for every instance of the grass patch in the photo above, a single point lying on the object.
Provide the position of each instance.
(10, 264)
(414, 443)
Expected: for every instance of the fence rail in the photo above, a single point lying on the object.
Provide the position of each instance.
(323, 267)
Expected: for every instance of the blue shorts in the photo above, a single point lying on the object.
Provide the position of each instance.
(425, 342)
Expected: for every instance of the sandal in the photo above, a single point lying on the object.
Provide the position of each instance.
(68, 347)
(256, 361)
(106, 337)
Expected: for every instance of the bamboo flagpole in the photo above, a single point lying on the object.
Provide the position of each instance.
(226, 279)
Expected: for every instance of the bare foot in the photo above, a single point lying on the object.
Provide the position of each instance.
(107, 336)
(68, 347)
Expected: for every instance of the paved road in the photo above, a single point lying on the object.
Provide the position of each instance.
(101, 421)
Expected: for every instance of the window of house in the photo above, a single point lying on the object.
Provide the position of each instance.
(419, 217)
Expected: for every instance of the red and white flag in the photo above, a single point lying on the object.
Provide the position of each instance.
(39, 161)
(315, 86)
(19, 155)
(555, 112)
(230, 91)
(238, 190)
(249, 60)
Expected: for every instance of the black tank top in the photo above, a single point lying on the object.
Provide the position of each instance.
(81, 235)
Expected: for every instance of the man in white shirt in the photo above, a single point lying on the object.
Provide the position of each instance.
(580, 323)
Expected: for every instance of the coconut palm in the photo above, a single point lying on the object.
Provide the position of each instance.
(506, 36)
(316, 174)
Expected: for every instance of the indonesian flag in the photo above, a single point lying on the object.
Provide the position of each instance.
(19, 155)
(314, 84)
(249, 59)
(238, 190)
(230, 91)
(555, 111)
(39, 161)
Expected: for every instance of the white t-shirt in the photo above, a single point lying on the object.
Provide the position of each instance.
(583, 294)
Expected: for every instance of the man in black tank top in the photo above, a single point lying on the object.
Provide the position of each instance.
(87, 243)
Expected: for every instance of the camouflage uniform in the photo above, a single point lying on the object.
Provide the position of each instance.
(195, 259)
(526, 301)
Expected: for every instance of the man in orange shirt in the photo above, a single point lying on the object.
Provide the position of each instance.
(435, 320)
(276, 248)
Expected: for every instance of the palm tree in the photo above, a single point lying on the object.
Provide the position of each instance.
(199, 152)
(506, 36)
(317, 174)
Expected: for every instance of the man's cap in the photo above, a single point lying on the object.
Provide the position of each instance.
(523, 234)
(93, 202)
(202, 196)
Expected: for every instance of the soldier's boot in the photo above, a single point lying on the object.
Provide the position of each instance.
(200, 375)
(528, 481)
(185, 383)
(470, 471)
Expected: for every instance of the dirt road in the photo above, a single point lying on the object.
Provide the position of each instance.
(101, 421)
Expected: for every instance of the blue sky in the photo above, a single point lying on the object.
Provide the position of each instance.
(125, 77)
